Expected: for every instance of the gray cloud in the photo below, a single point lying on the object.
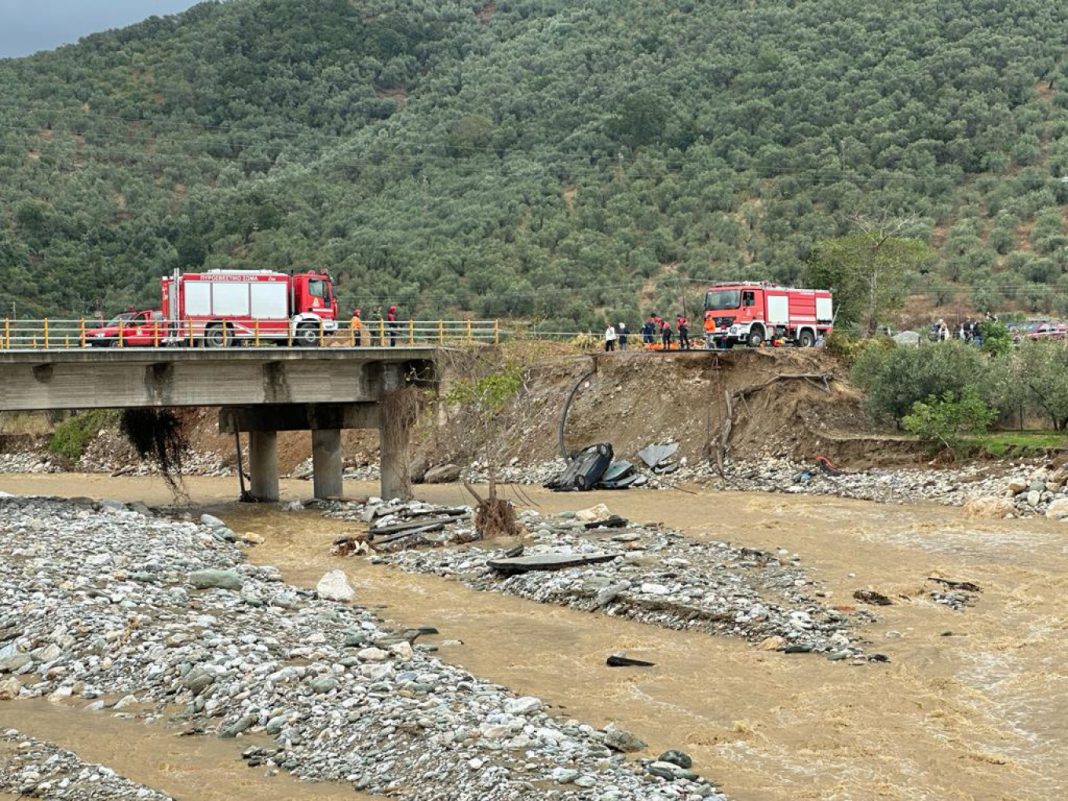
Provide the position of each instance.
(27, 26)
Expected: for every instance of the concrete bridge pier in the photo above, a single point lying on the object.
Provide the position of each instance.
(326, 462)
(397, 415)
(326, 422)
(394, 466)
(263, 464)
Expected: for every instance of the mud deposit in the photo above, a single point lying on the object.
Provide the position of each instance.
(971, 706)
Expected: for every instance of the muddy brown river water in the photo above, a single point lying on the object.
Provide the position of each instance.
(973, 706)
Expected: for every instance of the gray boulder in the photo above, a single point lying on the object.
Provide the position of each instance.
(215, 579)
(442, 474)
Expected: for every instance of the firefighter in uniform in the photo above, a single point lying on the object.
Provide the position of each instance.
(356, 324)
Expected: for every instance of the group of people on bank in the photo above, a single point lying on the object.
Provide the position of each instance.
(656, 332)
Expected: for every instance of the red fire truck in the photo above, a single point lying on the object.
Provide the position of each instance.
(757, 312)
(226, 307)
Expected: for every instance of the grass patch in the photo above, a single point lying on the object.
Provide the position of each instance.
(1017, 443)
(70, 437)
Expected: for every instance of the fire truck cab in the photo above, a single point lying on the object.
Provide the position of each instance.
(758, 312)
(228, 307)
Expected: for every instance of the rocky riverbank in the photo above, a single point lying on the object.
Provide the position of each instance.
(1028, 487)
(115, 608)
(643, 572)
(30, 768)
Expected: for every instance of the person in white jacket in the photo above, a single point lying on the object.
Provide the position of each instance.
(609, 339)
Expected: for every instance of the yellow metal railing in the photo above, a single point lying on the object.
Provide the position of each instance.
(65, 334)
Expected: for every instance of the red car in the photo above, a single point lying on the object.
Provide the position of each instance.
(139, 330)
(1048, 330)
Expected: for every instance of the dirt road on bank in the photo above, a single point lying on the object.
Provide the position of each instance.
(970, 707)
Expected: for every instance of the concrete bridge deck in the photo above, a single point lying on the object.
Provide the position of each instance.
(135, 377)
(260, 390)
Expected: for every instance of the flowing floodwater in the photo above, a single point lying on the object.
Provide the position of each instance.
(971, 707)
(186, 768)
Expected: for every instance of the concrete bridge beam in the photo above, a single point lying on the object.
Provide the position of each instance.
(263, 464)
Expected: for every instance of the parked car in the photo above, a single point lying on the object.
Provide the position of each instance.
(1048, 330)
(139, 329)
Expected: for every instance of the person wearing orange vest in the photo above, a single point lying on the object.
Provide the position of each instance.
(356, 324)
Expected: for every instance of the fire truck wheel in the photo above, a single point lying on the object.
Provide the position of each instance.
(214, 336)
(307, 336)
(756, 337)
(805, 338)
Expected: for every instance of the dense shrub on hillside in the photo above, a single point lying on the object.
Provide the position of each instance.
(543, 158)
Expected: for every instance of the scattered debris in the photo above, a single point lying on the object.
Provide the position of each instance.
(616, 660)
(959, 594)
(872, 597)
(612, 521)
(547, 561)
(655, 576)
(963, 586)
(658, 455)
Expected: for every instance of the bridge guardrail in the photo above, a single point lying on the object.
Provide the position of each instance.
(56, 334)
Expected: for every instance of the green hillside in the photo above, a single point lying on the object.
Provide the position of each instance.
(539, 158)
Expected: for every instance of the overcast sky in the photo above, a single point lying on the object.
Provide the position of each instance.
(27, 26)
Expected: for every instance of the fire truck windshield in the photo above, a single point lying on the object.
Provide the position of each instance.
(720, 299)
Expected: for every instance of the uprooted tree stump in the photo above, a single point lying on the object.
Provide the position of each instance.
(494, 516)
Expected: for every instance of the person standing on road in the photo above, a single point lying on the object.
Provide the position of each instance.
(609, 339)
(392, 325)
(665, 334)
(621, 331)
(356, 324)
(649, 330)
(683, 328)
(376, 326)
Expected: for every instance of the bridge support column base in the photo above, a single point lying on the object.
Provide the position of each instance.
(326, 462)
(263, 464)
(394, 466)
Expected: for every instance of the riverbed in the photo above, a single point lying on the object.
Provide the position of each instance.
(970, 706)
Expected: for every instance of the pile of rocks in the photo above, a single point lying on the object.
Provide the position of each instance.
(109, 452)
(352, 472)
(101, 602)
(1043, 490)
(27, 462)
(947, 486)
(31, 768)
(516, 473)
(660, 577)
